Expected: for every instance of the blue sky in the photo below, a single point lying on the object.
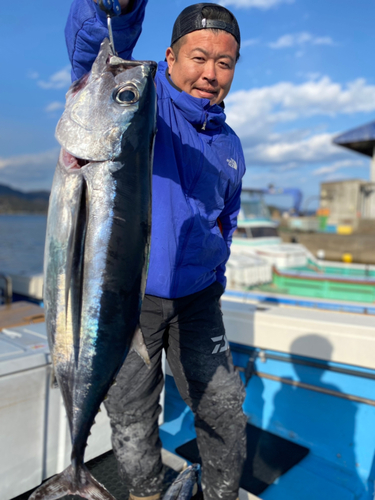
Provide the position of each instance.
(305, 74)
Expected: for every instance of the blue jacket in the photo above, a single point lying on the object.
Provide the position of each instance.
(197, 169)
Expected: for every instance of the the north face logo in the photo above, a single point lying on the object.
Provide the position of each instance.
(232, 163)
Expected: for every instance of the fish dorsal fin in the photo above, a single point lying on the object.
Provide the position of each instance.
(100, 63)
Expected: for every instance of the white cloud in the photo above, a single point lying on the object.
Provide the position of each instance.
(323, 40)
(294, 153)
(251, 110)
(58, 80)
(54, 106)
(250, 42)
(258, 114)
(29, 171)
(33, 75)
(257, 4)
(300, 39)
(309, 75)
(30, 159)
(339, 165)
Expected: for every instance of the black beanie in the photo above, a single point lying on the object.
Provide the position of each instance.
(192, 19)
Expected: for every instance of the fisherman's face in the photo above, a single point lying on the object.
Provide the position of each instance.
(205, 64)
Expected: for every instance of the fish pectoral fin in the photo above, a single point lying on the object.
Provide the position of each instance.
(138, 345)
(71, 482)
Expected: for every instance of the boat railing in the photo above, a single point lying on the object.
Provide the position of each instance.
(8, 289)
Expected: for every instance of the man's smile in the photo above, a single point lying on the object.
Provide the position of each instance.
(204, 91)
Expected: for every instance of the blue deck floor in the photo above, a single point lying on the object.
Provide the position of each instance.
(339, 433)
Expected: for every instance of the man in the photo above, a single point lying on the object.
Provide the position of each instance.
(198, 167)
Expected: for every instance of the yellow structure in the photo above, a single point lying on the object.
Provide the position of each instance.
(347, 258)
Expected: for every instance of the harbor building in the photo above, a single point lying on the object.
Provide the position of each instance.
(348, 202)
(352, 202)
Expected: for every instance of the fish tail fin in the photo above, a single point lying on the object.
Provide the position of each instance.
(71, 482)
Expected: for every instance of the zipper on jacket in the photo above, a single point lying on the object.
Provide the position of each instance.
(205, 121)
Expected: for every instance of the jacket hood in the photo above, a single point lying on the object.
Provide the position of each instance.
(198, 112)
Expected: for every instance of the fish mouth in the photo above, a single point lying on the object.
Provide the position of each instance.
(72, 162)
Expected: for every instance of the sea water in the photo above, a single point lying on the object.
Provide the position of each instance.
(22, 243)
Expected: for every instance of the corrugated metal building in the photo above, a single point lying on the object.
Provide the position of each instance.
(351, 200)
(367, 200)
(348, 201)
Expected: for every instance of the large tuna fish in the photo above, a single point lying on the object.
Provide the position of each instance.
(97, 245)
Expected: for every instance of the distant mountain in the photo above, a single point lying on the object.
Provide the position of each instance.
(32, 195)
(14, 201)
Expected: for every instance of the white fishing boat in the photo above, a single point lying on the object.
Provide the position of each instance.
(307, 363)
(310, 403)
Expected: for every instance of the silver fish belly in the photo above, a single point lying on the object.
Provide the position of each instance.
(186, 484)
(97, 245)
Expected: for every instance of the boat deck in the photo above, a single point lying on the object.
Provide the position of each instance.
(258, 295)
(318, 476)
(104, 469)
(312, 384)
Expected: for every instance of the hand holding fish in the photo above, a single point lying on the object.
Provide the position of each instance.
(114, 7)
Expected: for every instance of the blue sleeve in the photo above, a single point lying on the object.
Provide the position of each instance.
(87, 27)
(228, 219)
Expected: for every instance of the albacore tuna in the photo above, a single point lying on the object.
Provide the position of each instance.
(97, 244)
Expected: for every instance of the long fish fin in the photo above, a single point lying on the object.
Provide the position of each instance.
(138, 345)
(66, 484)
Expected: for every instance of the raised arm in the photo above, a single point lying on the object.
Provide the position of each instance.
(86, 28)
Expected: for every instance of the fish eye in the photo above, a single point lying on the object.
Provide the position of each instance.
(126, 94)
